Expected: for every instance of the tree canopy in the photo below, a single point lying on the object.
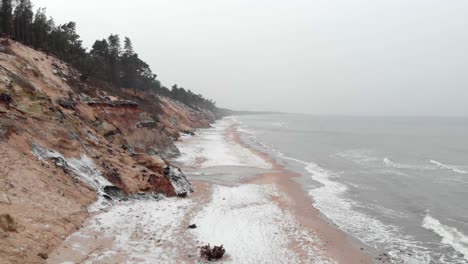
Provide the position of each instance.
(106, 61)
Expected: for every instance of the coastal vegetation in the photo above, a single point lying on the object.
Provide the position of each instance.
(107, 61)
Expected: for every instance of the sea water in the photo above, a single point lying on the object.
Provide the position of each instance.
(399, 184)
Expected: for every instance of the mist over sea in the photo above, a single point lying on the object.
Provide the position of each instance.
(399, 184)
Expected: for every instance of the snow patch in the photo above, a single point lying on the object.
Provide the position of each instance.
(252, 228)
(212, 147)
(142, 231)
(84, 169)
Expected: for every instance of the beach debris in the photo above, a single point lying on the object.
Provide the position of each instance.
(192, 226)
(211, 254)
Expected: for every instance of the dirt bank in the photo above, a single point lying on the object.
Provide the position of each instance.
(64, 143)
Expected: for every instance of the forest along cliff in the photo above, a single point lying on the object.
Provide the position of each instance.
(68, 147)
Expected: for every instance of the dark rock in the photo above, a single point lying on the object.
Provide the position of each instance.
(6, 99)
(43, 255)
(192, 226)
(189, 132)
(61, 163)
(66, 103)
(182, 195)
(127, 147)
(109, 133)
(113, 191)
(167, 171)
(150, 124)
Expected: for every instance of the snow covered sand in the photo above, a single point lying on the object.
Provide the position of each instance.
(246, 219)
(214, 147)
(138, 231)
(267, 218)
(253, 229)
(262, 219)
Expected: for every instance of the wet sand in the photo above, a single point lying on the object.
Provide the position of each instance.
(337, 244)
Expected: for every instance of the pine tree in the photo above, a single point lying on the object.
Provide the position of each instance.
(7, 17)
(41, 29)
(115, 50)
(23, 20)
(128, 47)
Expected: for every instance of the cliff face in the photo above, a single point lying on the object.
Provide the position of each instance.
(65, 144)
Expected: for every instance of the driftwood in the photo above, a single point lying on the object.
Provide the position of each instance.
(212, 253)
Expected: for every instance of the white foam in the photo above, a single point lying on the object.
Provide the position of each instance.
(450, 235)
(448, 167)
(392, 164)
(330, 200)
(212, 147)
(252, 228)
(360, 156)
(388, 162)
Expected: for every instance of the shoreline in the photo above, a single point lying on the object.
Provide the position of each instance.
(339, 246)
(264, 218)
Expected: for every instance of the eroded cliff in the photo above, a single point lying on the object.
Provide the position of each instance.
(65, 144)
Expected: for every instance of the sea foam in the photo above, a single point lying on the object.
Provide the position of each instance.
(448, 167)
(450, 235)
(330, 199)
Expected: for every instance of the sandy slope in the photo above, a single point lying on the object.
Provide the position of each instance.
(97, 137)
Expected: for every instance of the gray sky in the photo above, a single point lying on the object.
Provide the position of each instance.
(360, 57)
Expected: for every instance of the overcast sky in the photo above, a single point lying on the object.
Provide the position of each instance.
(360, 57)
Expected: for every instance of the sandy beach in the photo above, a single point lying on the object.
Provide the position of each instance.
(263, 218)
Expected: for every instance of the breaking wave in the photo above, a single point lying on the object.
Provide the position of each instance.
(448, 167)
(392, 164)
(450, 235)
(330, 200)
